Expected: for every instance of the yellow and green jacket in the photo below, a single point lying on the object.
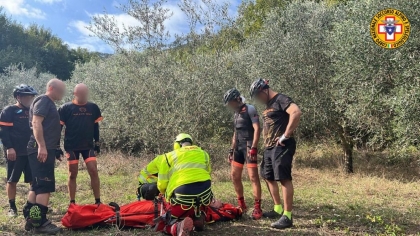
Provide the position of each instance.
(149, 174)
(183, 166)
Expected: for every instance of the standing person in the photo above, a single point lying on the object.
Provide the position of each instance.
(42, 150)
(15, 134)
(244, 148)
(81, 119)
(281, 117)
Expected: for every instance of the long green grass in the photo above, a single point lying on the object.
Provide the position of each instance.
(327, 202)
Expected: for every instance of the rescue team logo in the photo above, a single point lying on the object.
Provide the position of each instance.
(390, 28)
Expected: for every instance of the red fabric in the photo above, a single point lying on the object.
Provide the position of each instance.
(179, 212)
(78, 216)
(139, 214)
(225, 213)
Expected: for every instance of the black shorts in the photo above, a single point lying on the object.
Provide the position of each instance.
(277, 162)
(43, 173)
(73, 156)
(16, 168)
(241, 156)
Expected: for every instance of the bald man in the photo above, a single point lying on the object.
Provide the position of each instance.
(81, 120)
(44, 121)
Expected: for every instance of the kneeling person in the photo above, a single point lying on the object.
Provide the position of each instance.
(148, 178)
(184, 178)
(81, 119)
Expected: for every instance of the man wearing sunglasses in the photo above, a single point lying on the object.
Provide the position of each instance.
(44, 121)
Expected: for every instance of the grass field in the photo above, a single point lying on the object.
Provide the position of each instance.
(375, 201)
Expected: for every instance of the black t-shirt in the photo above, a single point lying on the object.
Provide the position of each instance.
(45, 107)
(80, 122)
(275, 119)
(15, 120)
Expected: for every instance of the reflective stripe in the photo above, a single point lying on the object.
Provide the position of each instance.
(163, 176)
(187, 166)
(174, 157)
(145, 171)
(142, 179)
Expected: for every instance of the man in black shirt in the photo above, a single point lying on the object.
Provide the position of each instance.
(81, 119)
(281, 117)
(15, 133)
(42, 150)
(244, 148)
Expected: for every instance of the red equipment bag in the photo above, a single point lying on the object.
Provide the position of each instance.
(139, 214)
(226, 212)
(78, 216)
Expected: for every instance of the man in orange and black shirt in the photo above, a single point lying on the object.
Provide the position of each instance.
(280, 118)
(81, 138)
(14, 134)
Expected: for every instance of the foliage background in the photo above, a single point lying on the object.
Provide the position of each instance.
(320, 53)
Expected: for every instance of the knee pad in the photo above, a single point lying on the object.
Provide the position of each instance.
(26, 209)
(35, 215)
(38, 214)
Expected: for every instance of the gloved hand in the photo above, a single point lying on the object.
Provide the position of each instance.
(253, 152)
(230, 156)
(97, 148)
(59, 154)
(281, 140)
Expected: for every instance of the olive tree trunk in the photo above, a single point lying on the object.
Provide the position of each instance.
(347, 144)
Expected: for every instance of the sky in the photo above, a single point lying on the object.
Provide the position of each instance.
(68, 19)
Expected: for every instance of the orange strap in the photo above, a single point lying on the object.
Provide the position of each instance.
(252, 165)
(99, 119)
(90, 159)
(73, 162)
(237, 164)
(6, 124)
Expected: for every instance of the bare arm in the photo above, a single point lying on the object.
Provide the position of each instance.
(294, 112)
(257, 131)
(38, 130)
(233, 141)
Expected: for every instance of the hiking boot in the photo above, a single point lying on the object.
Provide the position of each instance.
(271, 214)
(183, 228)
(12, 212)
(283, 223)
(199, 222)
(256, 214)
(48, 228)
(242, 204)
(28, 225)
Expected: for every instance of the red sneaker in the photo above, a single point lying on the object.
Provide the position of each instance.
(182, 228)
(242, 204)
(257, 214)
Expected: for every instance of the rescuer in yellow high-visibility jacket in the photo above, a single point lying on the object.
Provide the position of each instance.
(184, 178)
(148, 178)
(149, 174)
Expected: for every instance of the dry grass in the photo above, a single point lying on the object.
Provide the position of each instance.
(327, 202)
